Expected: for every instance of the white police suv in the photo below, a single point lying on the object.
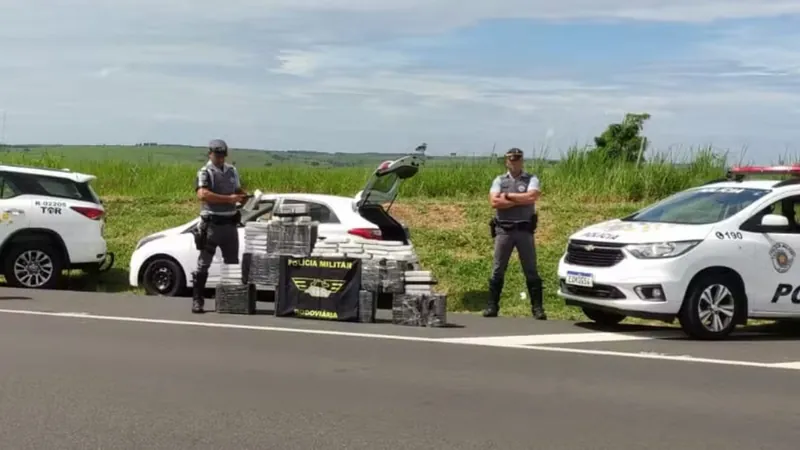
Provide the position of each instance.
(711, 256)
(50, 220)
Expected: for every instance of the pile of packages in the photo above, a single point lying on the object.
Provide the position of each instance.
(388, 267)
(413, 301)
(365, 249)
(290, 232)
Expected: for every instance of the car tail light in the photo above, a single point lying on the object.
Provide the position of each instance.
(92, 213)
(366, 233)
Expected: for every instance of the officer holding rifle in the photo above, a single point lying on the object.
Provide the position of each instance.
(513, 196)
(219, 190)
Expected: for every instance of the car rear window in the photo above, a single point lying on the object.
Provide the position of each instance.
(55, 187)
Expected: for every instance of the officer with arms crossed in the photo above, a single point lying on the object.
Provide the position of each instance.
(513, 196)
(219, 190)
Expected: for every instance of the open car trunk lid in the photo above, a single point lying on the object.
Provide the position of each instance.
(383, 187)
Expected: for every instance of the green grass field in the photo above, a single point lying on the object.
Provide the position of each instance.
(445, 206)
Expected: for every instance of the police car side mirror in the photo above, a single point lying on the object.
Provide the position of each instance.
(773, 223)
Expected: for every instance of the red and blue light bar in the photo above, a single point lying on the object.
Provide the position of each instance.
(793, 169)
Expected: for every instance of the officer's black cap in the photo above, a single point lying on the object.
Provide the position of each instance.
(514, 154)
(218, 146)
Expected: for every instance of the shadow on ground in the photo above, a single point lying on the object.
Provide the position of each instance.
(621, 328)
(113, 281)
(475, 301)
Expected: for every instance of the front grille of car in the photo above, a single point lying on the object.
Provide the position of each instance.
(594, 254)
(596, 291)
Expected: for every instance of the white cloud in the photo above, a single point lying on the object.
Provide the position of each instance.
(451, 11)
(302, 73)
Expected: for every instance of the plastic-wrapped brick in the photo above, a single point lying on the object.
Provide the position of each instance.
(292, 238)
(263, 269)
(230, 274)
(367, 306)
(419, 310)
(434, 310)
(406, 310)
(235, 299)
(392, 277)
(371, 276)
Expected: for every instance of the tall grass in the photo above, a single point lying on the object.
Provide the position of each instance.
(580, 176)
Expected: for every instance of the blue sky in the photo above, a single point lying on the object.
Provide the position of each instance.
(359, 75)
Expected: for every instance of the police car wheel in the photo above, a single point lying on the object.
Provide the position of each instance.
(603, 317)
(712, 309)
(33, 265)
(163, 277)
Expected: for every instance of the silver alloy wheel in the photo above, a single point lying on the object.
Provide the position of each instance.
(716, 308)
(33, 268)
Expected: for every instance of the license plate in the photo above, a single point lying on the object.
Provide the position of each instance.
(580, 279)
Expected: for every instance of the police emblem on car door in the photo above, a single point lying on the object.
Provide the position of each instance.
(782, 257)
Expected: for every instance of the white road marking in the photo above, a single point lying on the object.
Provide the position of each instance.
(83, 315)
(560, 338)
(726, 362)
(788, 365)
(478, 342)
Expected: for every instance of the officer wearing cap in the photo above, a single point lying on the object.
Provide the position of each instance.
(513, 196)
(219, 190)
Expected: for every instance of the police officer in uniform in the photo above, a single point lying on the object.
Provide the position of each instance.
(219, 190)
(513, 196)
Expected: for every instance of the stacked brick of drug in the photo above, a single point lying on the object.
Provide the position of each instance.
(365, 249)
(290, 232)
(292, 235)
(261, 267)
(233, 295)
(419, 305)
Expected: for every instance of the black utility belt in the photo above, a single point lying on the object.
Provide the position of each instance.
(524, 225)
(216, 219)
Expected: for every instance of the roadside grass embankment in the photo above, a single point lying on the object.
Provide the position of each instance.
(444, 205)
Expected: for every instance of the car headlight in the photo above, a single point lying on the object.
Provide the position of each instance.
(661, 249)
(148, 239)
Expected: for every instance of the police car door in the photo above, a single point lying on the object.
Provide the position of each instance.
(14, 210)
(775, 274)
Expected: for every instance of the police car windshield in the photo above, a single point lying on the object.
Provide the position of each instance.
(699, 206)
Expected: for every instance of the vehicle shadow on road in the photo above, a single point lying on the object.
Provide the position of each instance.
(624, 327)
(113, 281)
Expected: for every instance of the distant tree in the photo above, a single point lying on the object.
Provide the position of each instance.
(622, 141)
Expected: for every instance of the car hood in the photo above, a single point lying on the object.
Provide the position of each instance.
(176, 230)
(619, 231)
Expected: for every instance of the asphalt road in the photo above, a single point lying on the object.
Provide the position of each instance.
(143, 373)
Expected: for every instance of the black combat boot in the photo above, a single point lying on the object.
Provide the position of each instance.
(535, 291)
(493, 304)
(198, 286)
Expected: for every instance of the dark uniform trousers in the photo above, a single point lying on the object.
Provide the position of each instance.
(507, 238)
(220, 232)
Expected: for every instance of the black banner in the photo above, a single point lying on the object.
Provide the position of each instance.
(320, 288)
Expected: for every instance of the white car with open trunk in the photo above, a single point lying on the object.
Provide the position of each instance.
(163, 262)
(711, 256)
